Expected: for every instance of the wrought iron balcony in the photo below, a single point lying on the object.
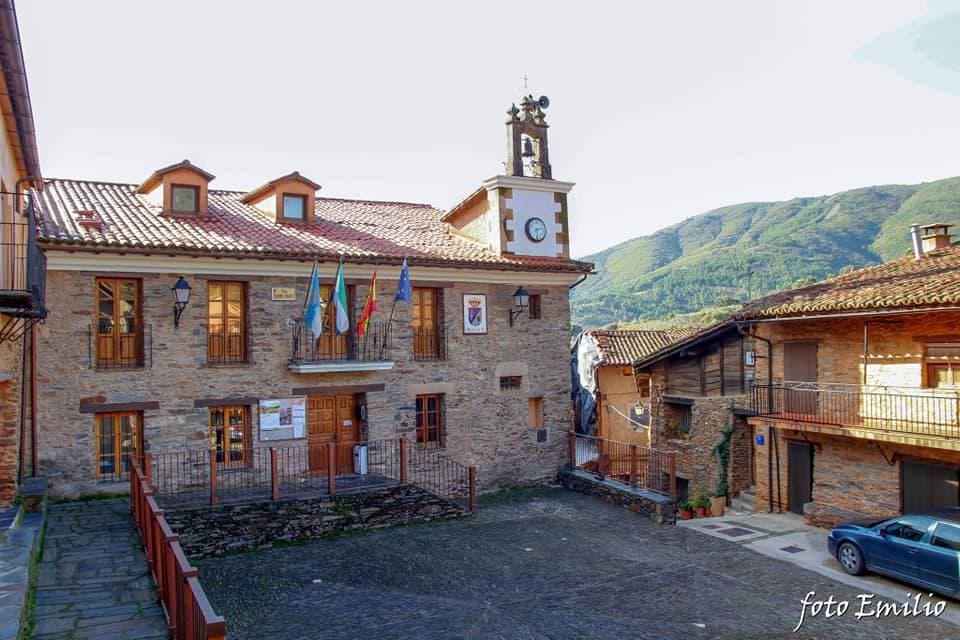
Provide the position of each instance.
(430, 342)
(23, 274)
(908, 411)
(329, 352)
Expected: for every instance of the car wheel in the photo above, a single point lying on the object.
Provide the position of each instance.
(851, 559)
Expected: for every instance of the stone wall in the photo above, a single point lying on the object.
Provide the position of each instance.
(659, 508)
(11, 356)
(483, 426)
(214, 531)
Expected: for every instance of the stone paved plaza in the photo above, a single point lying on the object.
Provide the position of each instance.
(93, 580)
(532, 564)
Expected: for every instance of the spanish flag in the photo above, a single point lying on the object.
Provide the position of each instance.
(369, 307)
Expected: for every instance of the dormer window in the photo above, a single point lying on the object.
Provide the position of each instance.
(184, 198)
(294, 207)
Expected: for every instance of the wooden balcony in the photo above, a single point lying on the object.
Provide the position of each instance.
(906, 415)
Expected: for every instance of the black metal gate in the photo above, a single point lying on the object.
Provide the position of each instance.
(800, 479)
(929, 485)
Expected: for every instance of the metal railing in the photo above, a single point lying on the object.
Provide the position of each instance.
(373, 345)
(227, 348)
(212, 477)
(632, 464)
(130, 348)
(189, 614)
(906, 410)
(23, 267)
(430, 342)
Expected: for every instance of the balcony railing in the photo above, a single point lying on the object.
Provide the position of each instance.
(902, 410)
(227, 349)
(23, 275)
(430, 342)
(348, 351)
(129, 346)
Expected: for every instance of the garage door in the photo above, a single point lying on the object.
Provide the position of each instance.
(929, 486)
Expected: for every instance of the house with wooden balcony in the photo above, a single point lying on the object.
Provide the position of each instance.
(181, 327)
(856, 400)
(22, 265)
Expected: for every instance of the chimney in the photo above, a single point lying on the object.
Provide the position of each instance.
(917, 244)
(935, 236)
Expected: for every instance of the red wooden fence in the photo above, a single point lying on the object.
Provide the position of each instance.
(189, 613)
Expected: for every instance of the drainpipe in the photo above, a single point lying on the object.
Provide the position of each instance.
(866, 346)
(34, 456)
(578, 282)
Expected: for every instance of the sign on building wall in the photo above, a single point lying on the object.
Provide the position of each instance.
(283, 418)
(283, 293)
(474, 313)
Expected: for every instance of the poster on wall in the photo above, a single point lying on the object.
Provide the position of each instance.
(283, 418)
(474, 313)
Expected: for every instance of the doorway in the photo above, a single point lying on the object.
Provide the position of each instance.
(800, 475)
(800, 367)
(929, 486)
(332, 419)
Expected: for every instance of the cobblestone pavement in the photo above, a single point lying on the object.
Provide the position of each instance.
(532, 564)
(93, 580)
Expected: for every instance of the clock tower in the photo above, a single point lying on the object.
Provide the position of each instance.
(524, 212)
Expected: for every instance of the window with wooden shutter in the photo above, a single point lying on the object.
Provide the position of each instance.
(229, 433)
(733, 366)
(430, 419)
(426, 312)
(119, 327)
(330, 346)
(116, 436)
(226, 322)
(942, 360)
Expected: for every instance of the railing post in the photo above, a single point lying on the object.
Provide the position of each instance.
(672, 466)
(572, 449)
(633, 465)
(148, 469)
(274, 475)
(472, 479)
(331, 468)
(213, 477)
(403, 460)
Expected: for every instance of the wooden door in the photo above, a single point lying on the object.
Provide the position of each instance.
(800, 481)
(332, 419)
(929, 486)
(800, 367)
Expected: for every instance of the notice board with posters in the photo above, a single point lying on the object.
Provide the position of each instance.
(283, 419)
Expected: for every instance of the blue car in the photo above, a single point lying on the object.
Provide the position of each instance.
(922, 549)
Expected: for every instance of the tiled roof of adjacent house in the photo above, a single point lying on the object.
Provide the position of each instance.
(357, 230)
(623, 347)
(906, 283)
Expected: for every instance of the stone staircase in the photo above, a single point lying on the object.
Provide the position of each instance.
(744, 502)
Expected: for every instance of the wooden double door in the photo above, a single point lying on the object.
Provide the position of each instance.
(332, 419)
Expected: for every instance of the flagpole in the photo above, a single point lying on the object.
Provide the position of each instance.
(383, 346)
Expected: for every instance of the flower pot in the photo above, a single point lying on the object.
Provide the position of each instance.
(718, 505)
(701, 512)
(709, 513)
(684, 514)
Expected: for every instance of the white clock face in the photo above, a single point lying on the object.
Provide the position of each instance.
(536, 229)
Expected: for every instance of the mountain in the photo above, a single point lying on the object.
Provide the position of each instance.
(742, 251)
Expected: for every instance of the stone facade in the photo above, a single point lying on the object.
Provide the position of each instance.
(659, 508)
(215, 531)
(483, 426)
(855, 473)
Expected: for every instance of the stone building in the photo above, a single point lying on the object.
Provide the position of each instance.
(858, 401)
(697, 387)
(461, 367)
(21, 263)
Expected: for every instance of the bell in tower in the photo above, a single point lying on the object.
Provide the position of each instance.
(527, 153)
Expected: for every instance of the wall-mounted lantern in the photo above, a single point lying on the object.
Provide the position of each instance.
(521, 299)
(181, 296)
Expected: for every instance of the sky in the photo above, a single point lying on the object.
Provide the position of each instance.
(659, 110)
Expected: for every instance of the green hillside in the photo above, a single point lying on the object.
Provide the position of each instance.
(746, 250)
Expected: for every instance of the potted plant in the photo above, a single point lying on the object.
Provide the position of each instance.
(718, 505)
(684, 509)
(700, 501)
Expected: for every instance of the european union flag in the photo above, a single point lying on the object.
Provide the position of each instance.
(404, 292)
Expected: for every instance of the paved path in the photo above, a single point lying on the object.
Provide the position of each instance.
(788, 537)
(544, 564)
(93, 580)
(16, 548)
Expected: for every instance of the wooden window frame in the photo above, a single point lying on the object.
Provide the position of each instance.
(222, 447)
(423, 429)
(196, 198)
(510, 383)
(535, 418)
(425, 345)
(330, 346)
(535, 305)
(117, 454)
(950, 362)
(283, 207)
(225, 358)
(116, 339)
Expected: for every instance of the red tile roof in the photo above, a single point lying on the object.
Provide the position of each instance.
(357, 230)
(930, 282)
(623, 347)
